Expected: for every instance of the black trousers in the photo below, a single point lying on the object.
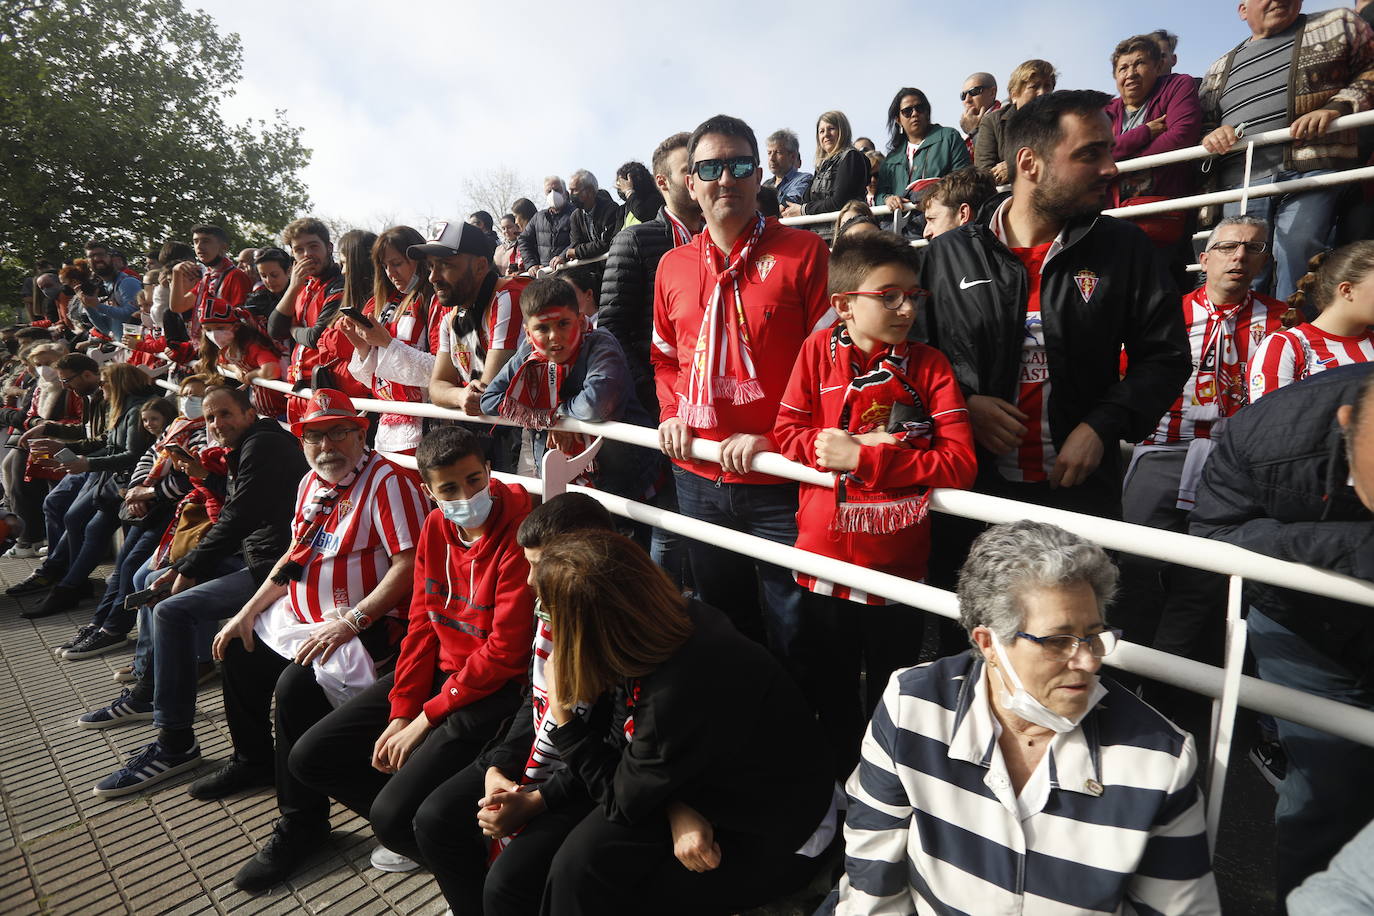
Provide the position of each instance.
(250, 681)
(334, 758)
(605, 868)
(448, 836)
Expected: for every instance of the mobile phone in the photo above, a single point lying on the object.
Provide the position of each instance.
(179, 452)
(358, 316)
(66, 456)
(147, 596)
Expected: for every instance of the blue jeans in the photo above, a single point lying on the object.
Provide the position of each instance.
(176, 622)
(139, 544)
(55, 506)
(89, 529)
(730, 581)
(1327, 796)
(1300, 226)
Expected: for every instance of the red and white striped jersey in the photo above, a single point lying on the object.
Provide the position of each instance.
(504, 327)
(380, 515)
(1222, 340)
(1293, 355)
(1030, 462)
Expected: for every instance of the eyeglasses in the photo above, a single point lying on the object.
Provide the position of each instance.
(66, 381)
(1250, 247)
(711, 169)
(337, 434)
(892, 297)
(911, 111)
(1066, 647)
(973, 90)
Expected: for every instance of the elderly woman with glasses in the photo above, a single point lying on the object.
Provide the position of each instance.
(1013, 778)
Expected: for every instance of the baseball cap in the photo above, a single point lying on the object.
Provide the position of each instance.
(457, 237)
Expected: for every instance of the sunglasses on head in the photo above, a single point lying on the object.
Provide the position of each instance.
(712, 169)
(911, 111)
(973, 90)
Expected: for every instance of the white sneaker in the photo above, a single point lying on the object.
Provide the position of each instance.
(21, 552)
(43, 551)
(384, 859)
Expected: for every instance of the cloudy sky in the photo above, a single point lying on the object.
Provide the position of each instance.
(401, 107)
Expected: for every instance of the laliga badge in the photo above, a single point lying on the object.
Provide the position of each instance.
(1087, 283)
(1093, 787)
(764, 265)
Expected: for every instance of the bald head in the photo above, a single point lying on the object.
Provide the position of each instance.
(979, 94)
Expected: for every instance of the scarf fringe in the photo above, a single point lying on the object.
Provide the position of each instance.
(697, 416)
(880, 518)
(527, 416)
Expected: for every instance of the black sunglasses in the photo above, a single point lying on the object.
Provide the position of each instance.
(973, 90)
(711, 169)
(910, 111)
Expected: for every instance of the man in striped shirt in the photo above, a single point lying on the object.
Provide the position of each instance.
(1299, 70)
(1011, 779)
(1225, 323)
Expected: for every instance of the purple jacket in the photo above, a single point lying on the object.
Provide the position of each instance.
(1174, 97)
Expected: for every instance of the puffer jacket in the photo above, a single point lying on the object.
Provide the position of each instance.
(1276, 483)
(627, 298)
(547, 235)
(591, 230)
(837, 181)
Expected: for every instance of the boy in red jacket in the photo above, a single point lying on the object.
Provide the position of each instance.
(459, 675)
(888, 418)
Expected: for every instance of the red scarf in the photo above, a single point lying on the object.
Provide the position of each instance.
(315, 514)
(532, 398)
(870, 400)
(723, 359)
(681, 234)
(1220, 388)
(178, 433)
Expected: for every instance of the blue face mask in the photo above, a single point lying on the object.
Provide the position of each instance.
(468, 513)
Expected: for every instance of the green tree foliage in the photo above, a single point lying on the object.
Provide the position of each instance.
(110, 126)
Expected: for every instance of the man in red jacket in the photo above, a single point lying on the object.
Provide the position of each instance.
(390, 751)
(310, 303)
(731, 310)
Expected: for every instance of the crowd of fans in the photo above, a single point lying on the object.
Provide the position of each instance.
(557, 711)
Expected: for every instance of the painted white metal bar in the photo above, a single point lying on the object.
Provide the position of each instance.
(1224, 708)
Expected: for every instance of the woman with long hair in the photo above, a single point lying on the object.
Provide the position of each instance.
(335, 346)
(635, 185)
(841, 171)
(693, 707)
(918, 149)
(394, 356)
(233, 345)
(1339, 287)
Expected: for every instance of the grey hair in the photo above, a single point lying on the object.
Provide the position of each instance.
(982, 78)
(558, 183)
(1258, 222)
(787, 140)
(586, 177)
(1008, 560)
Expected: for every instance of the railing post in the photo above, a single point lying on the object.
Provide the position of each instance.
(1224, 709)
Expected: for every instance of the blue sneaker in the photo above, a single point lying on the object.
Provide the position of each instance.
(124, 709)
(150, 766)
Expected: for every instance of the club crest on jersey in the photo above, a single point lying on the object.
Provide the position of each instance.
(765, 265)
(1087, 283)
(345, 506)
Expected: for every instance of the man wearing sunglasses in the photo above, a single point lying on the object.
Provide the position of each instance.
(978, 96)
(731, 310)
(1184, 608)
(1034, 309)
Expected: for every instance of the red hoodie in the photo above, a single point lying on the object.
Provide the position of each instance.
(471, 614)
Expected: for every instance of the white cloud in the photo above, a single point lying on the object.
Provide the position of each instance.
(398, 108)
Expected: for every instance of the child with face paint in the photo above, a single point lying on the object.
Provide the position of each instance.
(566, 368)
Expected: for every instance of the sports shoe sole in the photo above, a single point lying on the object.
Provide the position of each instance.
(149, 782)
(128, 717)
(384, 859)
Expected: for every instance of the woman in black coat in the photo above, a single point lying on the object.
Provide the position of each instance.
(841, 170)
(713, 787)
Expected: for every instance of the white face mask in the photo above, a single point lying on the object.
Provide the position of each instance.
(190, 407)
(221, 337)
(1020, 703)
(468, 513)
(556, 200)
(48, 374)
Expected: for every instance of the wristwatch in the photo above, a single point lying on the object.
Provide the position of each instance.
(359, 619)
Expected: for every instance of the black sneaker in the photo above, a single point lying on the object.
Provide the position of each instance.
(235, 776)
(97, 643)
(61, 598)
(1269, 758)
(281, 857)
(36, 582)
(81, 634)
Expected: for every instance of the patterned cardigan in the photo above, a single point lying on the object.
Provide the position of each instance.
(1333, 67)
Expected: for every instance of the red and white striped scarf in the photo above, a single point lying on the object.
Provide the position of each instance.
(681, 234)
(723, 359)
